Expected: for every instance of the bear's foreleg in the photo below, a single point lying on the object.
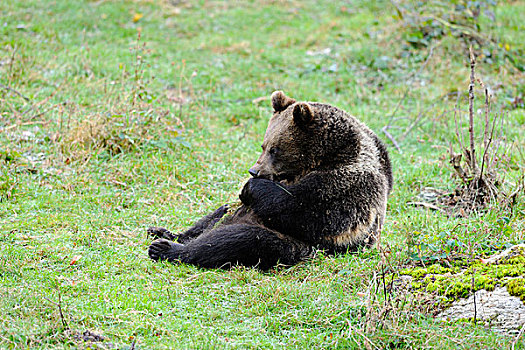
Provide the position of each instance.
(317, 206)
(236, 244)
(283, 208)
(205, 223)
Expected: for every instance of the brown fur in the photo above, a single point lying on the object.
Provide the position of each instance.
(315, 138)
(322, 180)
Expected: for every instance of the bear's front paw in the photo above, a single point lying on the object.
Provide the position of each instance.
(162, 249)
(260, 192)
(253, 189)
(221, 211)
(160, 232)
(246, 195)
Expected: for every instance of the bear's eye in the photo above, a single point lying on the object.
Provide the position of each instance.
(273, 151)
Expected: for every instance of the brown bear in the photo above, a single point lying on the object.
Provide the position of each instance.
(321, 182)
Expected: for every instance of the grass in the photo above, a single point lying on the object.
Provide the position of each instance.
(118, 132)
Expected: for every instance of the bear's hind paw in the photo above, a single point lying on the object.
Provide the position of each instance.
(160, 232)
(162, 249)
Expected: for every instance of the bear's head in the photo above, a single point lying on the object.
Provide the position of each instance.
(303, 137)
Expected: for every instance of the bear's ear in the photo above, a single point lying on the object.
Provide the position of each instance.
(302, 114)
(280, 101)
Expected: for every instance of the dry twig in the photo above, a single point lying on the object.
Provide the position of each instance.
(427, 205)
(391, 138)
(385, 128)
(5, 87)
(472, 155)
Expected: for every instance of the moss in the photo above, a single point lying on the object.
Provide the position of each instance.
(516, 287)
(516, 260)
(418, 273)
(457, 290)
(468, 320)
(464, 278)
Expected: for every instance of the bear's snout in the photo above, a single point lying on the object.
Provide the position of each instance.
(254, 172)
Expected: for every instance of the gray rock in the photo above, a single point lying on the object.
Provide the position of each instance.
(497, 309)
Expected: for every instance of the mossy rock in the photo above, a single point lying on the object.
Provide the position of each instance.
(460, 281)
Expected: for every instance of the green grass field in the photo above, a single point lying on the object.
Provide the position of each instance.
(120, 115)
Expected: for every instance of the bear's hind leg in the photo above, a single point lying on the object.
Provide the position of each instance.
(205, 223)
(236, 244)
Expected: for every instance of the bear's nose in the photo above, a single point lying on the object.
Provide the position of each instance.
(253, 172)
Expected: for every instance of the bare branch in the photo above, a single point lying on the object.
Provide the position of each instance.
(5, 87)
(487, 113)
(498, 140)
(391, 138)
(488, 138)
(472, 155)
(455, 160)
(405, 93)
(428, 205)
(62, 318)
(458, 135)
(473, 285)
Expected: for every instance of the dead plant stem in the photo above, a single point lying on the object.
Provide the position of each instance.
(474, 296)
(5, 87)
(368, 342)
(10, 74)
(487, 146)
(391, 138)
(487, 112)
(458, 134)
(472, 155)
(405, 94)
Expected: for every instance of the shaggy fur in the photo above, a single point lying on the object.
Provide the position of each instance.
(321, 181)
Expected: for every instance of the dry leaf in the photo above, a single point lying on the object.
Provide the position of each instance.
(75, 259)
(137, 16)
